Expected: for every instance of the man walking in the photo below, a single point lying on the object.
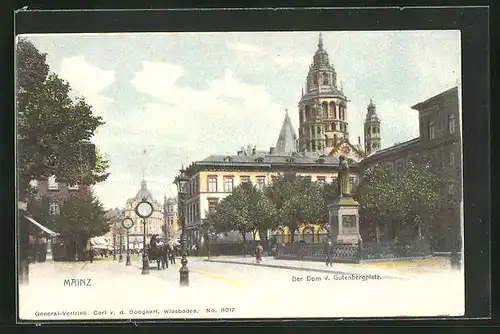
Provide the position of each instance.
(328, 248)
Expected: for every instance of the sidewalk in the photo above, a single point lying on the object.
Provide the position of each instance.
(386, 269)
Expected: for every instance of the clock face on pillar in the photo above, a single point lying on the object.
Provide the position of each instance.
(127, 223)
(144, 209)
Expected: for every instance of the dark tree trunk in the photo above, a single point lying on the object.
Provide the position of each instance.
(244, 244)
(23, 251)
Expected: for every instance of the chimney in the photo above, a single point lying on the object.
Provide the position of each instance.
(253, 150)
(359, 140)
(272, 150)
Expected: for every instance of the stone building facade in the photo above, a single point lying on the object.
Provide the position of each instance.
(154, 222)
(440, 145)
(214, 178)
(170, 216)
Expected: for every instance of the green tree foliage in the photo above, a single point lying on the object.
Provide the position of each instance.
(330, 192)
(50, 125)
(297, 200)
(420, 195)
(413, 197)
(246, 210)
(81, 217)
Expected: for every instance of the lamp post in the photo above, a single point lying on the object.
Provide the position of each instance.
(181, 181)
(120, 258)
(127, 224)
(114, 244)
(144, 209)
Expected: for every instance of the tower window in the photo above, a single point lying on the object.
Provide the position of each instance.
(315, 79)
(325, 78)
(318, 131)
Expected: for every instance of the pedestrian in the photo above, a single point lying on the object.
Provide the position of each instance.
(258, 253)
(328, 249)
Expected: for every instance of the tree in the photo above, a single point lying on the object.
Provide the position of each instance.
(378, 203)
(330, 193)
(51, 125)
(246, 210)
(81, 217)
(413, 197)
(297, 200)
(421, 196)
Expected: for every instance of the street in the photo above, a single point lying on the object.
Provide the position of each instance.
(108, 289)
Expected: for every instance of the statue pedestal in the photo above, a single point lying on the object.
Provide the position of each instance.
(344, 221)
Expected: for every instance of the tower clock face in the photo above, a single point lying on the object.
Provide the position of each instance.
(144, 209)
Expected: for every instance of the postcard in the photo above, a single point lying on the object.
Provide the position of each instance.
(239, 175)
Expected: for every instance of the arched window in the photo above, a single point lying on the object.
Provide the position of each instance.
(325, 78)
(308, 113)
(325, 109)
(331, 111)
(315, 79)
(308, 235)
(296, 236)
(322, 234)
(278, 235)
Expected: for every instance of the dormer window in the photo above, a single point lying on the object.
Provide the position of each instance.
(290, 159)
(228, 159)
(259, 160)
(320, 161)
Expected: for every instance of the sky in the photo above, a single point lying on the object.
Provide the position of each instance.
(169, 99)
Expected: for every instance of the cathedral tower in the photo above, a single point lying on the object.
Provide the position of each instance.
(322, 108)
(372, 129)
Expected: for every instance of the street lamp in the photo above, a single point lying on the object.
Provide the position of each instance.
(114, 243)
(127, 224)
(144, 209)
(120, 259)
(181, 181)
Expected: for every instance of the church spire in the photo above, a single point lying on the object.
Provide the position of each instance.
(320, 41)
(287, 138)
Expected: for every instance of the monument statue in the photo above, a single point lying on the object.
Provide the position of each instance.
(343, 178)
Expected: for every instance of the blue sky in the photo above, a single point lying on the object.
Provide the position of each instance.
(184, 96)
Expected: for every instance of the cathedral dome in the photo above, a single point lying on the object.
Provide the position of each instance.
(144, 192)
(320, 58)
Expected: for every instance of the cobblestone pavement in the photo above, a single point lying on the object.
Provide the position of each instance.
(223, 290)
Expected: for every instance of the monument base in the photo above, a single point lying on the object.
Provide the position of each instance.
(344, 221)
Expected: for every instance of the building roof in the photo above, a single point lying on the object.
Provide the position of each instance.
(356, 148)
(394, 148)
(143, 193)
(287, 140)
(297, 158)
(422, 105)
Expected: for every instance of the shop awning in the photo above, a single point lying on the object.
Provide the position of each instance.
(43, 228)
